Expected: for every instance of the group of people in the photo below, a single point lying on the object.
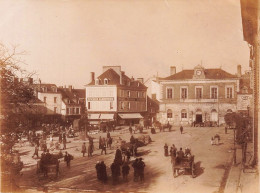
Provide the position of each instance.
(105, 142)
(120, 166)
(88, 150)
(176, 155)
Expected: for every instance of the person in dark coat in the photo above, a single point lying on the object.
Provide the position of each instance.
(64, 141)
(128, 155)
(132, 139)
(103, 148)
(60, 138)
(98, 170)
(100, 142)
(135, 149)
(125, 171)
(140, 166)
(118, 157)
(181, 129)
(36, 151)
(84, 149)
(108, 134)
(135, 166)
(103, 172)
(165, 149)
(115, 169)
(131, 148)
(67, 159)
(130, 130)
(110, 140)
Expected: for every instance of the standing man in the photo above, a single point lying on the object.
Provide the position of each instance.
(125, 171)
(135, 166)
(36, 151)
(84, 149)
(103, 172)
(98, 170)
(64, 140)
(115, 169)
(181, 129)
(103, 148)
(165, 149)
(67, 159)
(141, 166)
(130, 130)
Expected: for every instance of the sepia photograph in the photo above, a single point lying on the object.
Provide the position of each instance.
(138, 96)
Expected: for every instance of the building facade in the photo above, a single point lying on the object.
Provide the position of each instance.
(113, 96)
(196, 95)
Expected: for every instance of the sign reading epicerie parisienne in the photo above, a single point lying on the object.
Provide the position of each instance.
(100, 98)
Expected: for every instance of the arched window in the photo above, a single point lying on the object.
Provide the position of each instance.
(184, 114)
(169, 113)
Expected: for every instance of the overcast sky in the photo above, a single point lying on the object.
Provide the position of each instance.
(67, 39)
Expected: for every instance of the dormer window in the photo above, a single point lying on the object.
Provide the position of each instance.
(138, 84)
(105, 81)
(54, 89)
(97, 81)
(244, 90)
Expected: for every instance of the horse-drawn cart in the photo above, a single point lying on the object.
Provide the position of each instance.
(185, 163)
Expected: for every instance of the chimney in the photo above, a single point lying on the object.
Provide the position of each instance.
(92, 75)
(70, 88)
(121, 77)
(239, 70)
(140, 80)
(172, 70)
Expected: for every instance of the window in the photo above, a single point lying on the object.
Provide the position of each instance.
(89, 105)
(44, 99)
(55, 109)
(67, 111)
(128, 94)
(121, 105)
(73, 111)
(184, 93)
(213, 92)
(169, 93)
(138, 84)
(105, 81)
(183, 114)
(229, 93)
(198, 93)
(111, 104)
(137, 94)
(77, 111)
(55, 99)
(54, 89)
(169, 113)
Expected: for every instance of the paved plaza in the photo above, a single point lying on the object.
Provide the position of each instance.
(212, 165)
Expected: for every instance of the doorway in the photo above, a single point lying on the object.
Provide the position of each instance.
(199, 118)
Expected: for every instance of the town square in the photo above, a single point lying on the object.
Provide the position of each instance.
(129, 96)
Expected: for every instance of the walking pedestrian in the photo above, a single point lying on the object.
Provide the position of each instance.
(64, 141)
(90, 150)
(181, 129)
(36, 151)
(110, 142)
(84, 149)
(135, 150)
(165, 150)
(100, 142)
(60, 138)
(125, 171)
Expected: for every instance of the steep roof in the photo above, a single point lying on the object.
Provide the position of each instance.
(114, 79)
(216, 73)
(72, 95)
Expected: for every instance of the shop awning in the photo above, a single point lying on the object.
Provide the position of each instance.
(93, 116)
(131, 116)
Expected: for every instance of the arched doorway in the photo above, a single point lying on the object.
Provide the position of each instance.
(214, 115)
(198, 116)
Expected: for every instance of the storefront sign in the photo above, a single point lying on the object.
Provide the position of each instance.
(100, 98)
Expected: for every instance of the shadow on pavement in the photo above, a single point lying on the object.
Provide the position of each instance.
(198, 169)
